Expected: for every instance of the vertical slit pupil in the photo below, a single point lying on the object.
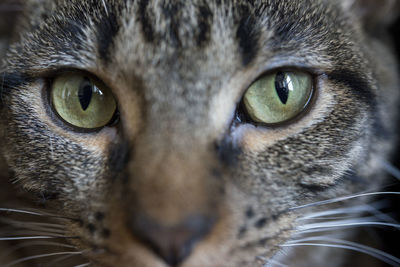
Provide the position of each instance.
(282, 87)
(85, 93)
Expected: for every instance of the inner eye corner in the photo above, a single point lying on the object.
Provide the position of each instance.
(244, 110)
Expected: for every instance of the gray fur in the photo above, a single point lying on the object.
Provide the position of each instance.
(178, 70)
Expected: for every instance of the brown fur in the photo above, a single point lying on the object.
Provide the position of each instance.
(178, 70)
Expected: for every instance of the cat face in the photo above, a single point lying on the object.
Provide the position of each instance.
(177, 165)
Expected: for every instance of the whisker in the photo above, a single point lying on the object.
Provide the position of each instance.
(271, 263)
(344, 223)
(385, 217)
(381, 255)
(105, 7)
(25, 232)
(28, 223)
(391, 169)
(34, 226)
(333, 218)
(343, 247)
(65, 257)
(324, 230)
(83, 265)
(34, 243)
(49, 215)
(372, 209)
(339, 199)
(38, 231)
(14, 238)
(21, 211)
(41, 256)
(35, 230)
(354, 209)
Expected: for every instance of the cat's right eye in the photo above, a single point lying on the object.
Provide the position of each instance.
(82, 101)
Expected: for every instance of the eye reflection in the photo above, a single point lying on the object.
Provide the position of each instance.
(82, 102)
(278, 97)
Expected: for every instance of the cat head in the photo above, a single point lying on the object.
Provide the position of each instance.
(170, 156)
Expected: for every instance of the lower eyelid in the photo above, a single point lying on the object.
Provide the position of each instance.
(253, 137)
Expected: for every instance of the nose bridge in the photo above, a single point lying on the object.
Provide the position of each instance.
(170, 180)
(172, 193)
(181, 102)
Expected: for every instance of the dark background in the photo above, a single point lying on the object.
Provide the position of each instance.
(393, 237)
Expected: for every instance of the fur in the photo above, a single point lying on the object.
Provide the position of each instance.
(178, 70)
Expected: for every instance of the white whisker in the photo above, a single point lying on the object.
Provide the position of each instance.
(34, 243)
(83, 265)
(326, 218)
(343, 223)
(40, 256)
(271, 263)
(385, 217)
(32, 237)
(383, 256)
(29, 212)
(355, 209)
(21, 211)
(391, 169)
(105, 7)
(65, 257)
(324, 230)
(27, 223)
(26, 232)
(35, 226)
(24, 238)
(339, 199)
(35, 231)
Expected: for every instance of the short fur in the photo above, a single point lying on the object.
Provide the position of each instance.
(178, 70)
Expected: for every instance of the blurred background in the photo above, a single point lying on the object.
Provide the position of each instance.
(9, 10)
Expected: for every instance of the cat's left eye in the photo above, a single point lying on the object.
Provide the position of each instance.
(278, 97)
(82, 101)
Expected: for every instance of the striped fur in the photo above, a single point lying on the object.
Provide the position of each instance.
(178, 70)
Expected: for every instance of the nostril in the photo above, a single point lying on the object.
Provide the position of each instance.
(172, 243)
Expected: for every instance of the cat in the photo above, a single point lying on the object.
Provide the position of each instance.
(196, 133)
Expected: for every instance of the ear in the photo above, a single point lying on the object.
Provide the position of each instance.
(374, 13)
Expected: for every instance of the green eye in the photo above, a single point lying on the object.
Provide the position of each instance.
(82, 102)
(278, 97)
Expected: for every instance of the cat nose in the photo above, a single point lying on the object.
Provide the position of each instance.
(172, 243)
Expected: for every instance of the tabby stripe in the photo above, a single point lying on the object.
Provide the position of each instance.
(248, 36)
(147, 28)
(107, 29)
(170, 11)
(348, 176)
(10, 81)
(316, 188)
(119, 156)
(205, 20)
(360, 87)
(228, 152)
